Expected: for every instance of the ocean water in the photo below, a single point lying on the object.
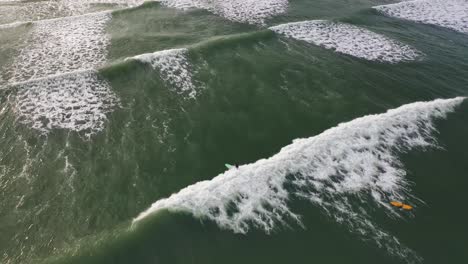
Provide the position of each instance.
(117, 117)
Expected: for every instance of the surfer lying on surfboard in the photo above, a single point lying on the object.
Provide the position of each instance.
(401, 205)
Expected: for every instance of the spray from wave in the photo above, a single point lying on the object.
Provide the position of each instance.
(341, 170)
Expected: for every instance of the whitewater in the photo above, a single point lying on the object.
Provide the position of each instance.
(357, 159)
(117, 117)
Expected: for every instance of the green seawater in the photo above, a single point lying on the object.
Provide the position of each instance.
(71, 197)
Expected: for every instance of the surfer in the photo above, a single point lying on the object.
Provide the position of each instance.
(401, 205)
(237, 165)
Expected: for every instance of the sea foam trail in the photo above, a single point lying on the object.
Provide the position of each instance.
(77, 101)
(349, 39)
(243, 11)
(452, 14)
(355, 161)
(62, 45)
(174, 69)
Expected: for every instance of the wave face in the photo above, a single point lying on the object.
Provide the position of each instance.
(349, 39)
(452, 14)
(76, 101)
(243, 11)
(355, 160)
(174, 69)
(62, 45)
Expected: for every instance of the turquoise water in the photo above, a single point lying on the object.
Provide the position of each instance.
(110, 107)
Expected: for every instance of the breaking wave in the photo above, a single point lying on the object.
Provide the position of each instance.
(452, 14)
(349, 39)
(354, 161)
(77, 101)
(40, 10)
(174, 69)
(244, 11)
(62, 45)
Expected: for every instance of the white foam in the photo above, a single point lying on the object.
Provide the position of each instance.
(349, 39)
(174, 68)
(23, 10)
(355, 160)
(244, 11)
(39, 10)
(62, 45)
(82, 6)
(33, 10)
(75, 101)
(452, 14)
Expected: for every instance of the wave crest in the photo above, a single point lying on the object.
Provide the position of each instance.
(174, 69)
(355, 160)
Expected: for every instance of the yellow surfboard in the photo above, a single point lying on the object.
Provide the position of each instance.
(407, 207)
(396, 204)
(401, 205)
